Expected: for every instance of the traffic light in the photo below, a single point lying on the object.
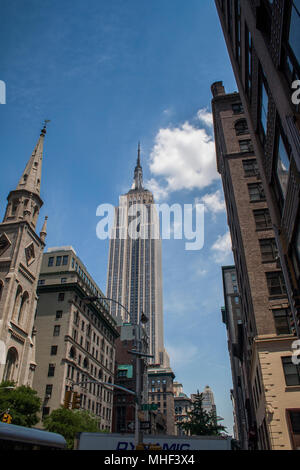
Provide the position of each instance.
(67, 400)
(6, 418)
(76, 401)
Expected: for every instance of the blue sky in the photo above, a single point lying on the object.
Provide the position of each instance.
(110, 73)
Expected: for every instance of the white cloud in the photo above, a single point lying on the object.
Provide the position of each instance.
(184, 158)
(222, 247)
(213, 202)
(205, 116)
(159, 192)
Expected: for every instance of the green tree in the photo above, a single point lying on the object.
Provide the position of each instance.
(69, 422)
(201, 422)
(22, 402)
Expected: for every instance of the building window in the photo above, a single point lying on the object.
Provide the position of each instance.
(245, 145)
(248, 59)
(46, 411)
(276, 284)
(282, 157)
(56, 330)
(63, 280)
(250, 167)
(291, 371)
(229, 17)
(48, 391)
(58, 260)
(262, 219)
(237, 108)
(122, 373)
(65, 260)
(282, 321)
(51, 370)
(256, 192)
(241, 127)
(294, 30)
(61, 296)
(294, 425)
(53, 350)
(268, 248)
(238, 30)
(58, 314)
(263, 108)
(41, 282)
(50, 261)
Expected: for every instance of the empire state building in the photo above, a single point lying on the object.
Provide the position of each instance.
(134, 277)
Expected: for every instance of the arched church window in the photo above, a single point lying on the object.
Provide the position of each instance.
(14, 206)
(17, 303)
(23, 306)
(11, 365)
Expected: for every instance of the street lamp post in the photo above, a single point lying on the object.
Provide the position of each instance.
(138, 367)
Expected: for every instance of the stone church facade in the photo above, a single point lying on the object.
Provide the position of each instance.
(21, 250)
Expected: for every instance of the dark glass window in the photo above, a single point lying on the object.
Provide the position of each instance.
(276, 284)
(51, 370)
(248, 58)
(46, 411)
(56, 330)
(51, 261)
(48, 390)
(282, 321)
(291, 371)
(256, 192)
(295, 421)
(237, 108)
(246, 145)
(250, 167)
(65, 260)
(229, 17)
(262, 219)
(241, 127)
(282, 156)
(58, 260)
(53, 350)
(58, 314)
(294, 34)
(61, 296)
(263, 110)
(237, 5)
(268, 248)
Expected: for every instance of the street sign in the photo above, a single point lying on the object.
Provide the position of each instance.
(144, 425)
(149, 406)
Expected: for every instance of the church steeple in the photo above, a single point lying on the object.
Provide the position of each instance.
(31, 177)
(138, 172)
(24, 202)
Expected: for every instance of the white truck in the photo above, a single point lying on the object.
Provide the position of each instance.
(103, 441)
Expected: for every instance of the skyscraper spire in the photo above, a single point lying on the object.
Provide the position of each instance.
(139, 155)
(138, 172)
